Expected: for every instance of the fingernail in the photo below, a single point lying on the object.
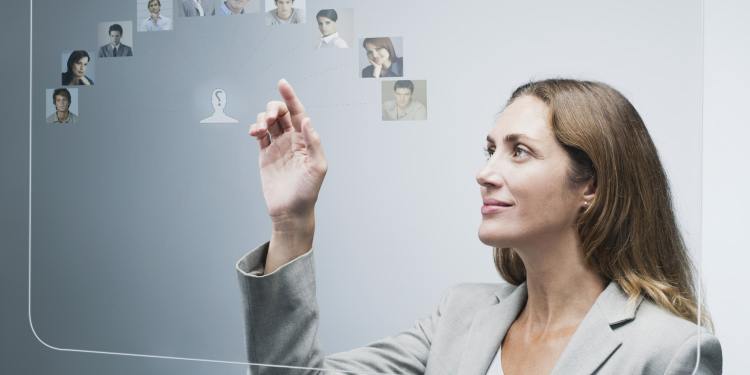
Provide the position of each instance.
(283, 80)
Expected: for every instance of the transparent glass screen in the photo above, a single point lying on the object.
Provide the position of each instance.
(145, 184)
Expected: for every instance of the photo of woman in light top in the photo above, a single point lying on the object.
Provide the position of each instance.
(329, 38)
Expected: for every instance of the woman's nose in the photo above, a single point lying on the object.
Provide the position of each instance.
(487, 177)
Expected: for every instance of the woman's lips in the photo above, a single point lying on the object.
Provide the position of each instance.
(494, 208)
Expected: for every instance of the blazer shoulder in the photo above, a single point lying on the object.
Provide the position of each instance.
(472, 294)
(670, 343)
(652, 318)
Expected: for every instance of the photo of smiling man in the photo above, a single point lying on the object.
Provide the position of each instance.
(403, 100)
(154, 16)
(285, 12)
(236, 7)
(58, 107)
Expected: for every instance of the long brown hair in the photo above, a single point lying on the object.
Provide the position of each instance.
(628, 233)
(383, 42)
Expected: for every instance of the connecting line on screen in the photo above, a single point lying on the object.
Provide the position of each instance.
(334, 68)
(335, 106)
(296, 47)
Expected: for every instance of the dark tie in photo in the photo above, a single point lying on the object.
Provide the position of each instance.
(114, 51)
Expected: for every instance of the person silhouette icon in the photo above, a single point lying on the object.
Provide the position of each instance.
(219, 102)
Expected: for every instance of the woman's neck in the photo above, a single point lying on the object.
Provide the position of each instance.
(561, 286)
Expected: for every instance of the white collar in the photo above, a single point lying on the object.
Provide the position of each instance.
(327, 39)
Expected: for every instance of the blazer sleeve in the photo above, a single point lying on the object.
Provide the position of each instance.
(281, 325)
(683, 362)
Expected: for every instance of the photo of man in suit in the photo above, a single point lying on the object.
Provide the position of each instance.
(195, 8)
(115, 48)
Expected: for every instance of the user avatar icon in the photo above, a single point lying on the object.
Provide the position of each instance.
(219, 101)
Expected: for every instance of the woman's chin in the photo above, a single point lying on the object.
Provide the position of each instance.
(494, 238)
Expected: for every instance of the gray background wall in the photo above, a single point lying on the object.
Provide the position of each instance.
(660, 55)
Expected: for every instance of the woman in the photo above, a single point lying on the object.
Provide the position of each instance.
(76, 69)
(155, 21)
(577, 208)
(382, 58)
(327, 19)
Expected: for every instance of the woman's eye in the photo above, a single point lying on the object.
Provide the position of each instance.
(488, 152)
(516, 149)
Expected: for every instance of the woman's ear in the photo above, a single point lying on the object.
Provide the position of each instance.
(589, 192)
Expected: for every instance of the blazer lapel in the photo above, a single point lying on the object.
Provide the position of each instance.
(487, 331)
(594, 341)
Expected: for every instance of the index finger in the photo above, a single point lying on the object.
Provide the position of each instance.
(292, 102)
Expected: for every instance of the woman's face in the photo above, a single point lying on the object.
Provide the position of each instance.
(79, 67)
(326, 26)
(377, 54)
(154, 7)
(529, 172)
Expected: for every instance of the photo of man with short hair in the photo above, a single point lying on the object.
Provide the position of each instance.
(194, 8)
(284, 13)
(115, 48)
(403, 106)
(156, 21)
(61, 99)
(233, 7)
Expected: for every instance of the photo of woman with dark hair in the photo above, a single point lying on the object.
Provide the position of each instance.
(75, 74)
(383, 59)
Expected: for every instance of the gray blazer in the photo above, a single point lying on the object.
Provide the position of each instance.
(186, 8)
(464, 333)
(108, 51)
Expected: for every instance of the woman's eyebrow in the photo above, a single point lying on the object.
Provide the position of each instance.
(511, 138)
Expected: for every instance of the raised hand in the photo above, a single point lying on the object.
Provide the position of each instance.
(292, 168)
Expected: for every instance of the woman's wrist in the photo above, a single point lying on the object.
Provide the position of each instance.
(290, 238)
